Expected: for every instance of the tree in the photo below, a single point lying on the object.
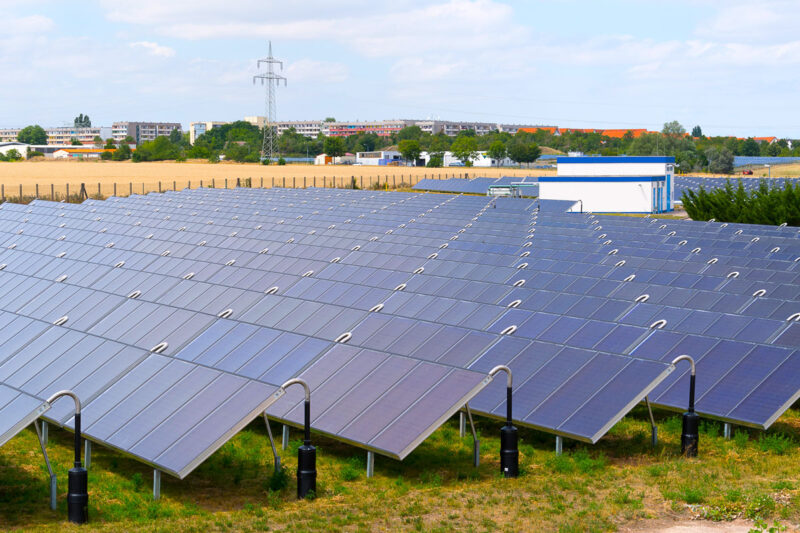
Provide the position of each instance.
(175, 136)
(13, 155)
(497, 150)
(409, 149)
(750, 147)
(98, 141)
(330, 119)
(110, 144)
(673, 129)
(75, 142)
(32, 135)
(123, 153)
(82, 121)
(333, 146)
(720, 160)
(106, 155)
(409, 132)
(697, 132)
(465, 149)
(520, 152)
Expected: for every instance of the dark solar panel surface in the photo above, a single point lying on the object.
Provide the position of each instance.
(422, 284)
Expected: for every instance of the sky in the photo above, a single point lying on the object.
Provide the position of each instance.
(730, 66)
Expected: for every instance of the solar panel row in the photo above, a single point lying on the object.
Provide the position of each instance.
(421, 287)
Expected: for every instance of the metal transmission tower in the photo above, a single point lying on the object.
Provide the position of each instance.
(271, 80)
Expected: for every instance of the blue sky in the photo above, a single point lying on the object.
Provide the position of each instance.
(731, 66)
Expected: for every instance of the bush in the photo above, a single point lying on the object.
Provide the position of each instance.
(281, 161)
(765, 205)
(106, 155)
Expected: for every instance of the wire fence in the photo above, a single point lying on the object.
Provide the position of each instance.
(78, 192)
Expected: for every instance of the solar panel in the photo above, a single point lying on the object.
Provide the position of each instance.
(17, 411)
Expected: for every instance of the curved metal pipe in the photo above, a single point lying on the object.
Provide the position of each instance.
(77, 401)
(691, 378)
(307, 422)
(509, 381)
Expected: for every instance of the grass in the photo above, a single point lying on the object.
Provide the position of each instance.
(588, 488)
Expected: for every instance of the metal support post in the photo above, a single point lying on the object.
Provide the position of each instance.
(156, 484)
(87, 453)
(559, 445)
(275, 455)
(726, 430)
(285, 437)
(476, 443)
(653, 427)
(462, 424)
(45, 432)
(370, 464)
(53, 480)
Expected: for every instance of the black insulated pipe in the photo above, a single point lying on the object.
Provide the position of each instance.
(509, 438)
(78, 477)
(306, 454)
(690, 431)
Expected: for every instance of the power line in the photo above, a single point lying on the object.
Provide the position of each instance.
(271, 80)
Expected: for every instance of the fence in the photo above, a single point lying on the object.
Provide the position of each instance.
(24, 193)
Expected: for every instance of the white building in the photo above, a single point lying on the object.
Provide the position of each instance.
(482, 161)
(612, 184)
(379, 157)
(22, 148)
(142, 131)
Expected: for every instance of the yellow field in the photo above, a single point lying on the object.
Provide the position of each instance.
(109, 177)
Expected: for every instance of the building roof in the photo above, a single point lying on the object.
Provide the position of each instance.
(86, 150)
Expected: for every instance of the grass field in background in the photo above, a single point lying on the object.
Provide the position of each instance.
(619, 481)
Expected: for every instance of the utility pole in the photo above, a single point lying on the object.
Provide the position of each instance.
(271, 80)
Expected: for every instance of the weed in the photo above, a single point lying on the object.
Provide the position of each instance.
(777, 443)
(137, 481)
(278, 480)
(760, 506)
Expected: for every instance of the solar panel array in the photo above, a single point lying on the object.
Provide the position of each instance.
(478, 185)
(17, 410)
(684, 183)
(393, 306)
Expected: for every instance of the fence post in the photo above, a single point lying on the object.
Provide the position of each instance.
(201, 184)
(226, 183)
(323, 182)
(262, 182)
(37, 191)
(174, 185)
(53, 192)
(68, 192)
(115, 188)
(294, 182)
(304, 182)
(20, 193)
(212, 184)
(159, 186)
(315, 182)
(131, 188)
(189, 186)
(284, 182)
(98, 189)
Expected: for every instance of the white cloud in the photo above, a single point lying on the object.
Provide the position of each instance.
(154, 49)
(317, 71)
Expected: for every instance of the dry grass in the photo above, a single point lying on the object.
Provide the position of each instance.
(146, 177)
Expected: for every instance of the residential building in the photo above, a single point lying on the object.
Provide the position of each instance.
(381, 128)
(482, 161)
(62, 135)
(143, 131)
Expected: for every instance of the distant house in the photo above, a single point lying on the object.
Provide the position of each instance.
(80, 153)
(768, 140)
(324, 159)
(22, 148)
(379, 157)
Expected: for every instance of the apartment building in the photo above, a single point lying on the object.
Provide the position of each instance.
(62, 135)
(143, 131)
